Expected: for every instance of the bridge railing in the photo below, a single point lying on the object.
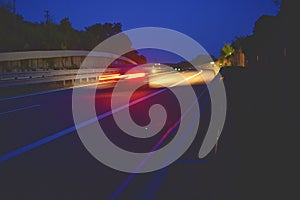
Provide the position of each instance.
(34, 77)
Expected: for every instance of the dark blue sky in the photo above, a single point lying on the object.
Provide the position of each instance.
(209, 22)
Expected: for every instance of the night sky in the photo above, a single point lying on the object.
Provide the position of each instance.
(210, 22)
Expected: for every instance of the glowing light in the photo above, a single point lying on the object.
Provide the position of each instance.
(135, 75)
(109, 77)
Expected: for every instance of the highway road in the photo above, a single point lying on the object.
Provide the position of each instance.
(42, 157)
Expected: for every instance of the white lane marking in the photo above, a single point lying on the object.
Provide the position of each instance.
(19, 109)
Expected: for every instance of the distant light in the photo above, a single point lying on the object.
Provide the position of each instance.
(212, 63)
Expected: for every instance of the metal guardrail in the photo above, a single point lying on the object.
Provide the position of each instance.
(22, 75)
(35, 77)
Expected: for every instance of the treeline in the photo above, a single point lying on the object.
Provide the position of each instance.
(19, 35)
(267, 45)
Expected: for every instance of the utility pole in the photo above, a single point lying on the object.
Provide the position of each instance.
(11, 5)
(47, 17)
(14, 6)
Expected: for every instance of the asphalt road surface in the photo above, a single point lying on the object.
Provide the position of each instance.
(42, 157)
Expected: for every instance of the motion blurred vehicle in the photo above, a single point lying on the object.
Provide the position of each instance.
(155, 75)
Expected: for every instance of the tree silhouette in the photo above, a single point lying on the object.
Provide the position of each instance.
(227, 50)
(18, 35)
